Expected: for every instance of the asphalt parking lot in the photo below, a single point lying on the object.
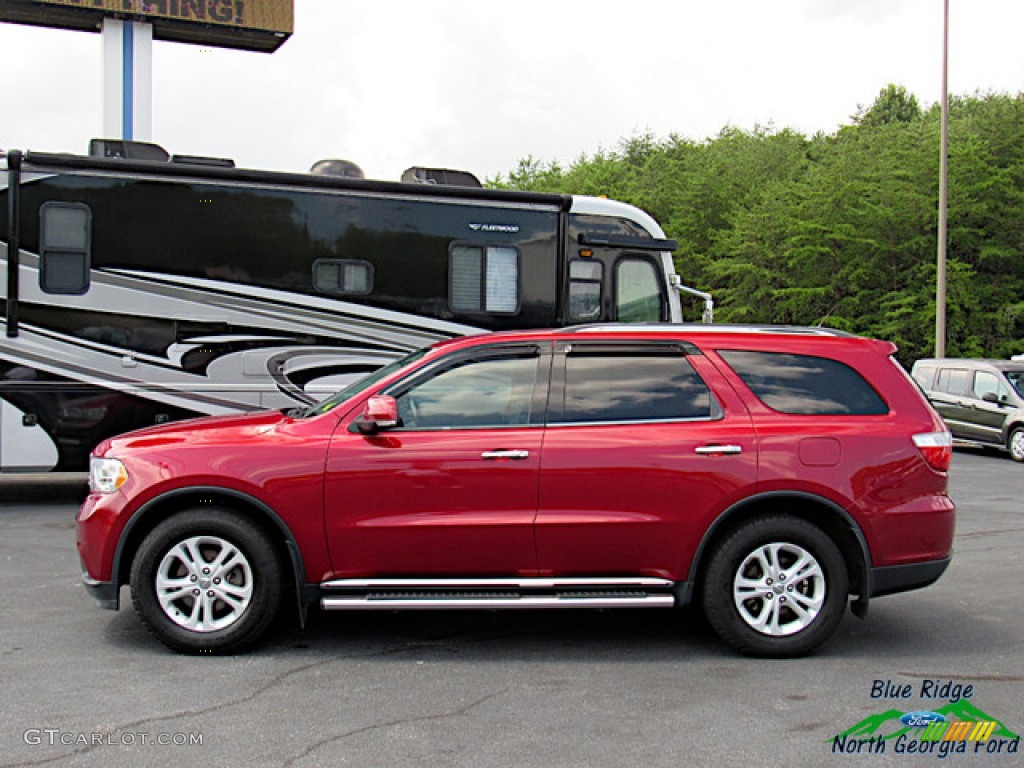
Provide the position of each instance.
(80, 686)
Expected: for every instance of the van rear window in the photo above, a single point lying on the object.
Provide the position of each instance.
(804, 384)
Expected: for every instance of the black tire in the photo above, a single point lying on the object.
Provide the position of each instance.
(207, 581)
(1015, 444)
(798, 611)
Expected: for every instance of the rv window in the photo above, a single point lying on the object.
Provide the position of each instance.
(484, 279)
(343, 276)
(585, 277)
(637, 291)
(65, 237)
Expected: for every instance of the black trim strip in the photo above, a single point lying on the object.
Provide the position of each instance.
(889, 580)
(630, 243)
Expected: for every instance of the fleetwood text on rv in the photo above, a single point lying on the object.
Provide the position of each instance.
(139, 288)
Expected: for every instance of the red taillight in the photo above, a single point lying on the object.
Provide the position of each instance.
(937, 449)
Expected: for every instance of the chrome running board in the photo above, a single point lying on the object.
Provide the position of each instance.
(496, 594)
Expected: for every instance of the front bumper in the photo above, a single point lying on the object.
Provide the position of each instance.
(107, 594)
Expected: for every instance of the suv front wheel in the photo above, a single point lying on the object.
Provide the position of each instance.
(206, 581)
(776, 587)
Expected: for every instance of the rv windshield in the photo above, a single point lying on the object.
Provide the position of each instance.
(364, 383)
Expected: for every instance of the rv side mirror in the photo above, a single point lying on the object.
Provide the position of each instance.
(991, 397)
(381, 412)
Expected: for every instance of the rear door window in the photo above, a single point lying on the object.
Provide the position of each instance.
(805, 384)
(614, 384)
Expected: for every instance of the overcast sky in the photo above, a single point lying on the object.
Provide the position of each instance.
(479, 85)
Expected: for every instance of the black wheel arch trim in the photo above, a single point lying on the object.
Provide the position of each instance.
(735, 512)
(143, 514)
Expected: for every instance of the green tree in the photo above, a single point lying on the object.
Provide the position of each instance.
(837, 229)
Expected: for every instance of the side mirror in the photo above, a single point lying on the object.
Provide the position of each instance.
(991, 397)
(381, 412)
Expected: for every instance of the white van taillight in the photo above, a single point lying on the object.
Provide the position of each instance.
(937, 449)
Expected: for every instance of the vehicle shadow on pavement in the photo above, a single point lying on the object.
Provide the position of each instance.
(890, 631)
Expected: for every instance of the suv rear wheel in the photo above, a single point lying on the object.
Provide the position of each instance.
(206, 581)
(776, 586)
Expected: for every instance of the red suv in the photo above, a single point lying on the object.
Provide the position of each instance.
(769, 474)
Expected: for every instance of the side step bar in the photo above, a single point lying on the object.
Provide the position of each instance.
(496, 594)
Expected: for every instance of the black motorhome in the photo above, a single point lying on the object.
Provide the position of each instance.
(147, 288)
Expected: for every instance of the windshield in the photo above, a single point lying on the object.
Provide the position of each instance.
(1016, 379)
(368, 381)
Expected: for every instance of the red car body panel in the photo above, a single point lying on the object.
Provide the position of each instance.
(597, 500)
(427, 503)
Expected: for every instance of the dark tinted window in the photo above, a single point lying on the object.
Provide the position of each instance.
(585, 276)
(804, 384)
(611, 386)
(66, 237)
(1016, 379)
(343, 276)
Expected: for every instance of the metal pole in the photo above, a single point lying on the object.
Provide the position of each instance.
(127, 80)
(940, 283)
(14, 159)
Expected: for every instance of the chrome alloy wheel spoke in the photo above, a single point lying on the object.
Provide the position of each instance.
(204, 583)
(779, 589)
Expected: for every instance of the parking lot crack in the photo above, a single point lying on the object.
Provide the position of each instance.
(220, 706)
(459, 712)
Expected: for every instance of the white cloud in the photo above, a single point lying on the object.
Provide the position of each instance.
(454, 83)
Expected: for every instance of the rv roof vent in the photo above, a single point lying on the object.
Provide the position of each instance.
(344, 168)
(441, 176)
(128, 150)
(216, 162)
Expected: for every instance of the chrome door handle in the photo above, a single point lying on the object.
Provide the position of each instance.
(718, 450)
(502, 454)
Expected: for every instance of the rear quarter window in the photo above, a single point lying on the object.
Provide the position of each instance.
(805, 384)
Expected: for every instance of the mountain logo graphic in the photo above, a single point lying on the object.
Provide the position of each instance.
(892, 724)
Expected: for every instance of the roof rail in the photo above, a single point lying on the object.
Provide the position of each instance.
(795, 330)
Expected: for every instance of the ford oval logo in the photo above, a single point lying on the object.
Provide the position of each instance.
(921, 719)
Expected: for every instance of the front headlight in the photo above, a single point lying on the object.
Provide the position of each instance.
(106, 475)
